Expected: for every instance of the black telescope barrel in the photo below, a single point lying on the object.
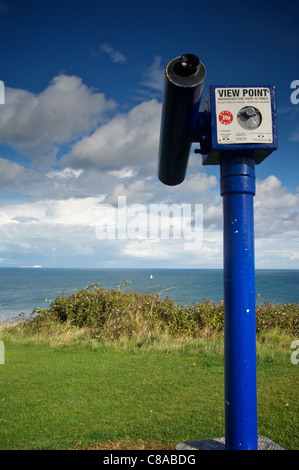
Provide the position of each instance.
(183, 86)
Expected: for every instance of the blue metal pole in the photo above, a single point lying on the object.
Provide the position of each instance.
(237, 190)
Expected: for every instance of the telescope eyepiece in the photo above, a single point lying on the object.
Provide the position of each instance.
(183, 86)
(187, 65)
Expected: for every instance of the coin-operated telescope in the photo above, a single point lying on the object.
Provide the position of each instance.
(183, 86)
(237, 120)
(236, 129)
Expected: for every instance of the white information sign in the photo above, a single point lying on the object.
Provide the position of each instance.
(243, 115)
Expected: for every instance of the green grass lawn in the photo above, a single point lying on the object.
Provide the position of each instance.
(79, 397)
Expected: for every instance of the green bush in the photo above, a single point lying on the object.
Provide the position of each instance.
(281, 317)
(114, 313)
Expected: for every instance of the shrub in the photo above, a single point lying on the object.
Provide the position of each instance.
(115, 313)
(281, 317)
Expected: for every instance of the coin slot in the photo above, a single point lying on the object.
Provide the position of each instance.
(249, 118)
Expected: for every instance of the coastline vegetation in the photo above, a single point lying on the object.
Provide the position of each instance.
(117, 369)
(118, 314)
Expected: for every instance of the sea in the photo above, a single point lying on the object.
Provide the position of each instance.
(24, 289)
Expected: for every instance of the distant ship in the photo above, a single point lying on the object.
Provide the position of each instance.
(151, 276)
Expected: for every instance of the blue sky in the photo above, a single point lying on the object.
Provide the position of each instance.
(80, 126)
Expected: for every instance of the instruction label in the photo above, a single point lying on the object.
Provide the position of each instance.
(243, 115)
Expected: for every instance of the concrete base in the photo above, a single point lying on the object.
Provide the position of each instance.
(219, 444)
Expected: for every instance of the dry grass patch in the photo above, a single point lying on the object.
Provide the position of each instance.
(128, 444)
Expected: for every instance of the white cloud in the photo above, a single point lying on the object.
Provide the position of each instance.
(114, 55)
(35, 124)
(10, 172)
(134, 191)
(270, 194)
(153, 76)
(48, 229)
(123, 173)
(149, 249)
(66, 173)
(66, 229)
(280, 251)
(276, 209)
(200, 183)
(126, 140)
(72, 211)
(114, 157)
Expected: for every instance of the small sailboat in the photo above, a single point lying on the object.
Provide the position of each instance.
(151, 276)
